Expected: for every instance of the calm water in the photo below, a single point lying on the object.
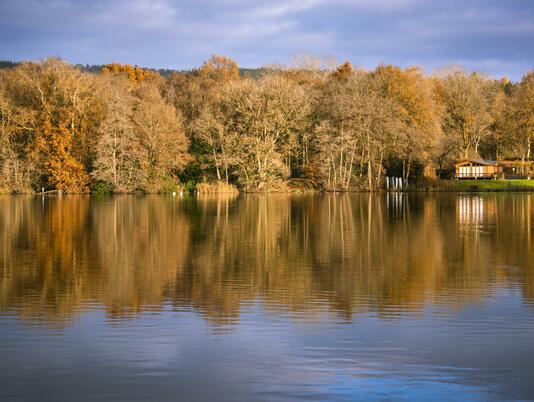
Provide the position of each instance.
(267, 298)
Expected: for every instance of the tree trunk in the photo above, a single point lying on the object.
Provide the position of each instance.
(216, 160)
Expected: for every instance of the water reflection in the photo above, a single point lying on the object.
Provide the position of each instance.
(311, 257)
(470, 211)
(395, 203)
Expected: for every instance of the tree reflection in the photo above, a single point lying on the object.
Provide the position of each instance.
(303, 255)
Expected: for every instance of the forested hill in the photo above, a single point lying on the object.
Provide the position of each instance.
(92, 68)
(8, 64)
(255, 73)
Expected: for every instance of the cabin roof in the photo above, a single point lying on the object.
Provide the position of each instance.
(477, 161)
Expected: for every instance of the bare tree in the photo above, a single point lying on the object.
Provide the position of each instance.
(119, 154)
(355, 132)
(467, 109)
(259, 123)
(520, 117)
(160, 130)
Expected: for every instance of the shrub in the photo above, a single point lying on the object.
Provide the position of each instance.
(216, 187)
(101, 187)
(170, 185)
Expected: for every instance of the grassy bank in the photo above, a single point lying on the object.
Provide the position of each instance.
(482, 185)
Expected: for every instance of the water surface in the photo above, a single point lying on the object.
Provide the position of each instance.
(267, 298)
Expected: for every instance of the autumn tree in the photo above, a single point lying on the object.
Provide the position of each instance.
(64, 172)
(499, 144)
(119, 154)
(134, 73)
(467, 104)
(192, 91)
(161, 132)
(65, 114)
(519, 120)
(260, 121)
(417, 114)
(354, 132)
(16, 169)
(219, 68)
(142, 140)
(196, 94)
(344, 71)
(210, 129)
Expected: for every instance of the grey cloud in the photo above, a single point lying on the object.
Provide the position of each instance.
(492, 36)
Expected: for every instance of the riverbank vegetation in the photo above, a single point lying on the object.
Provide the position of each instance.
(123, 128)
(481, 185)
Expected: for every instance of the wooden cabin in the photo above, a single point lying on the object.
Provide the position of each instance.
(477, 169)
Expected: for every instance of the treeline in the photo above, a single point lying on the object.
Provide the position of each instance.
(130, 129)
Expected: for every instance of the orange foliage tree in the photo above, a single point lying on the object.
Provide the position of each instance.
(134, 73)
(63, 171)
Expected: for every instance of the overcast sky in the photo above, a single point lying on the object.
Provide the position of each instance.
(492, 36)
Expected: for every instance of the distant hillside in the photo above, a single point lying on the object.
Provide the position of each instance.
(254, 73)
(8, 64)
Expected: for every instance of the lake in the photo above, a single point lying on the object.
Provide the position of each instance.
(360, 297)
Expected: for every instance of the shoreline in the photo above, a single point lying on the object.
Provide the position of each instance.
(439, 186)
